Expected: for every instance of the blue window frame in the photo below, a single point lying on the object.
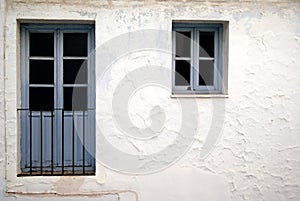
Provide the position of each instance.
(197, 58)
(57, 116)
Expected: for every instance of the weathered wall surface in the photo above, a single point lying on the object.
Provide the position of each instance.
(2, 113)
(257, 153)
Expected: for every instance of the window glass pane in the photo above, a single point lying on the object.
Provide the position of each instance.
(182, 73)
(206, 73)
(41, 72)
(183, 44)
(75, 98)
(41, 44)
(207, 44)
(75, 71)
(75, 44)
(41, 98)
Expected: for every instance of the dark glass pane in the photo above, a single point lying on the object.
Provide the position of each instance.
(75, 71)
(183, 44)
(206, 73)
(75, 98)
(41, 98)
(182, 73)
(207, 44)
(75, 44)
(41, 72)
(41, 44)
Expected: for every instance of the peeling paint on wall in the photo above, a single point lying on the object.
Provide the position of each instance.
(258, 152)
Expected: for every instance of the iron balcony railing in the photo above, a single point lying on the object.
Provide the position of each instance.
(50, 147)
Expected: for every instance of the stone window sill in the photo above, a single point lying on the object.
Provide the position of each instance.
(199, 96)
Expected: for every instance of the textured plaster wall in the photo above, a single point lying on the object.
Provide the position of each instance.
(2, 113)
(257, 154)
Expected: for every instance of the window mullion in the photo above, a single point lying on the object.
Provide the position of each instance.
(173, 58)
(192, 41)
(59, 70)
(26, 68)
(195, 59)
(216, 62)
(219, 58)
(89, 73)
(59, 96)
(24, 97)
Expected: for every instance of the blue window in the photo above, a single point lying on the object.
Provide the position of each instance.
(197, 58)
(57, 116)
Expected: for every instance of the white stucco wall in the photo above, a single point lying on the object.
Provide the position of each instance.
(257, 151)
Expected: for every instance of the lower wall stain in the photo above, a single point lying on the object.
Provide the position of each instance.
(68, 185)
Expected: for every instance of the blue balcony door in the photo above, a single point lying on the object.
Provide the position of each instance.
(57, 103)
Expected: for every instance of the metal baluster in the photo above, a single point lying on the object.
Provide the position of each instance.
(30, 143)
(73, 143)
(52, 143)
(62, 141)
(41, 133)
(83, 142)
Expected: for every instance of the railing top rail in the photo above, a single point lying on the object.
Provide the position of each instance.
(20, 109)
